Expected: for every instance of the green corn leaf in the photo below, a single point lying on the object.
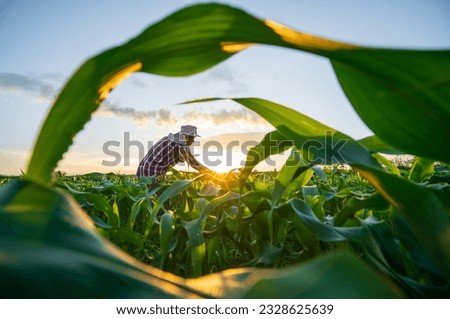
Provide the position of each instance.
(100, 223)
(323, 231)
(174, 189)
(269, 254)
(165, 234)
(310, 191)
(385, 162)
(374, 144)
(402, 96)
(321, 174)
(210, 190)
(102, 205)
(421, 168)
(124, 236)
(342, 275)
(387, 252)
(282, 228)
(319, 143)
(272, 143)
(307, 239)
(227, 197)
(294, 169)
(116, 213)
(141, 205)
(50, 249)
(298, 183)
(195, 230)
(422, 211)
(354, 204)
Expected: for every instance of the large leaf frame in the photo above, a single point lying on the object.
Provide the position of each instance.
(192, 40)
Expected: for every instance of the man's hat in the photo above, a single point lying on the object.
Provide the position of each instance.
(189, 130)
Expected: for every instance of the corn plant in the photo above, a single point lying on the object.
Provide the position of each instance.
(387, 239)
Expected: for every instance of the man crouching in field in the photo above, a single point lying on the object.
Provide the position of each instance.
(170, 150)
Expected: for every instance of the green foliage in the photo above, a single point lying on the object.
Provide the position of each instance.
(311, 217)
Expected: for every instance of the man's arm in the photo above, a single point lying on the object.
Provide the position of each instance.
(192, 161)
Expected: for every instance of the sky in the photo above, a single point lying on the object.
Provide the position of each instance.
(43, 42)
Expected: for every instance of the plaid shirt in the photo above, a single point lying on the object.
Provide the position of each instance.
(163, 155)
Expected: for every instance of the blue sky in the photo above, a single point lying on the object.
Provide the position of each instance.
(43, 42)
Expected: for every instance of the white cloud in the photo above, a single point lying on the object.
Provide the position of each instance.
(37, 86)
(224, 116)
(162, 116)
(47, 87)
(44, 87)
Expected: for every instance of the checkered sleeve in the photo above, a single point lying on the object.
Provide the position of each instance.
(161, 157)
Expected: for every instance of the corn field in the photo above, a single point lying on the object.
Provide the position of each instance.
(311, 230)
